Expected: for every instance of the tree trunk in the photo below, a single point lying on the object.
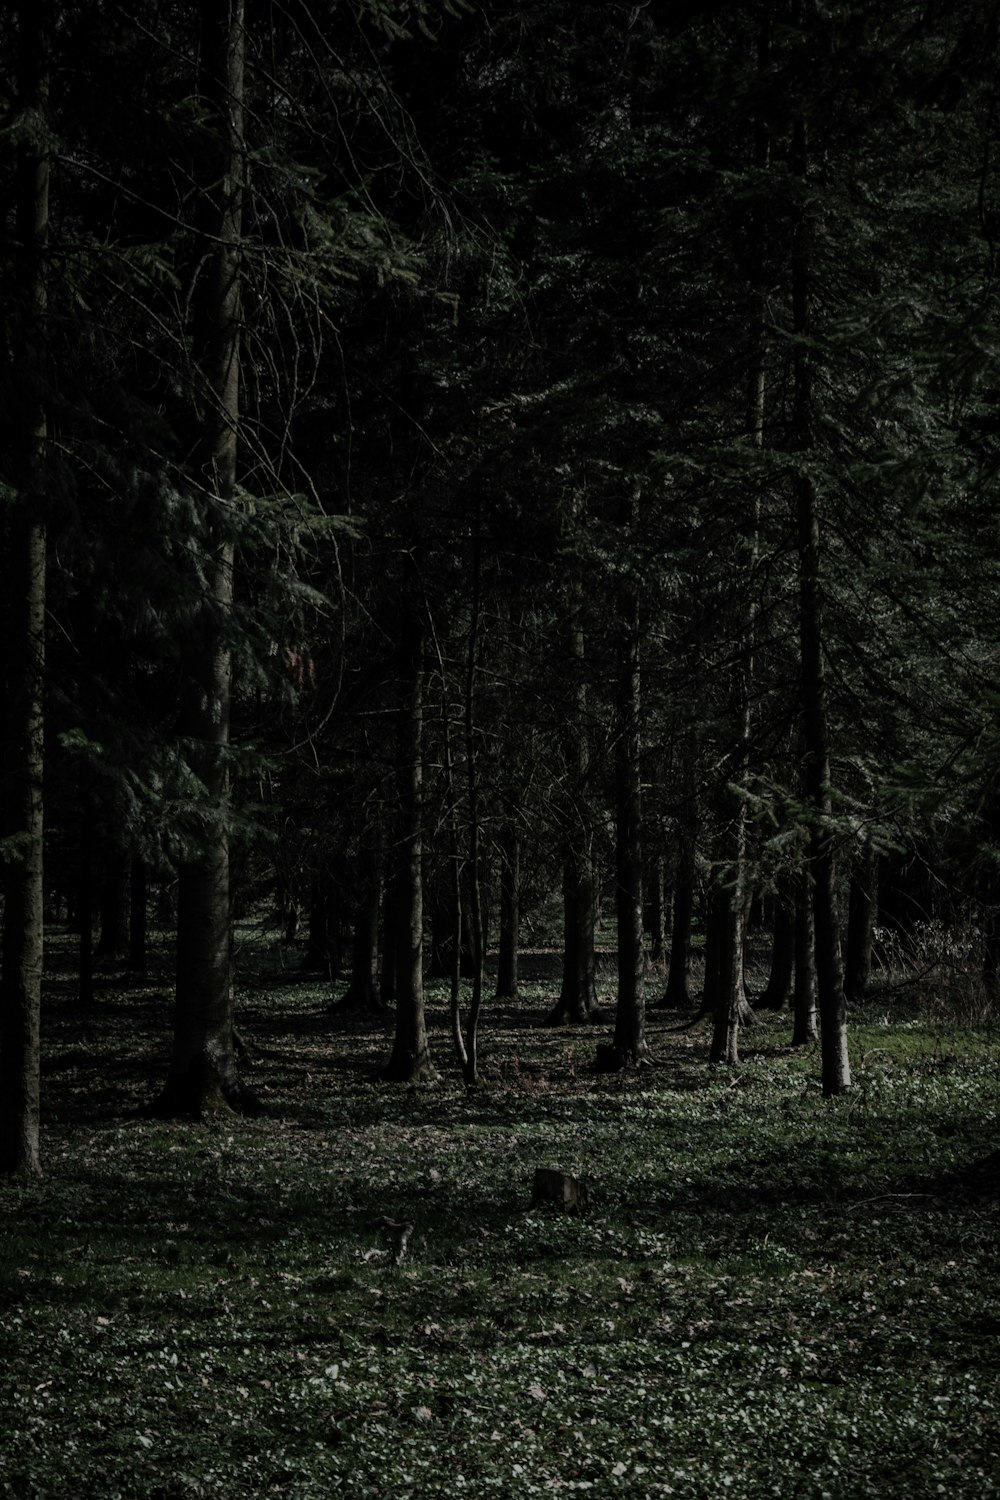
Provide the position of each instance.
(836, 1070)
(510, 914)
(724, 973)
(654, 905)
(804, 999)
(445, 925)
(85, 906)
(410, 1060)
(861, 911)
(474, 874)
(202, 1077)
(629, 1045)
(323, 937)
(732, 1005)
(363, 992)
(777, 991)
(578, 996)
(23, 910)
(388, 939)
(677, 994)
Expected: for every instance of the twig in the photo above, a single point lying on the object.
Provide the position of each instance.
(405, 1231)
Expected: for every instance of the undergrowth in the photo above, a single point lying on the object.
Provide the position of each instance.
(769, 1295)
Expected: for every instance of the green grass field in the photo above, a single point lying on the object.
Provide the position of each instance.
(770, 1294)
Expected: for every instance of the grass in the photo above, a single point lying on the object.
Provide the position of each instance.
(770, 1294)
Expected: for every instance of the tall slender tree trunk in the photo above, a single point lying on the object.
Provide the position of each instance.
(473, 870)
(388, 940)
(731, 1006)
(778, 989)
(629, 1045)
(23, 912)
(653, 903)
(202, 1076)
(804, 1024)
(362, 992)
(861, 911)
(510, 914)
(578, 995)
(410, 1059)
(677, 992)
(836, 1072)
(323, 945)
(85, 905)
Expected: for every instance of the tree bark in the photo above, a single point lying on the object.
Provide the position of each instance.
(510, 915)
(323, 948)
(202, 1077)
(677, 993)
(732, 1005)
(363, 991)
(473, 871)
(836, 1072)
(410, 1059)
(724, 972)
(654, 905)
(23, 912)
(777, 991)
(578, 995)
(85, 905)
(804, 1024)
(388, 940)
(861, 911)
(629, 1043)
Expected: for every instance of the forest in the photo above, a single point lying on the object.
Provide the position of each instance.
(459, 458)
(499, 564)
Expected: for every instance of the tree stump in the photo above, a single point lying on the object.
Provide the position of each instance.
(558, 1189)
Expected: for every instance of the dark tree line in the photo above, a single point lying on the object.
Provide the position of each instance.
(481, 453)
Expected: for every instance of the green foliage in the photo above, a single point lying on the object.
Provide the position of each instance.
(770, 1293)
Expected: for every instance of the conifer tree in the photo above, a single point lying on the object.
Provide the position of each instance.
(24, 576)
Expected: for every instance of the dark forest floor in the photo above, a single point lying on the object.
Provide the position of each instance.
(769, 1294)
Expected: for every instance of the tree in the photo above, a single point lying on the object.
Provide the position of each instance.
(23, 757)
(410, 1059)
(815, 729)
(202, 1075)
(629, 1043)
